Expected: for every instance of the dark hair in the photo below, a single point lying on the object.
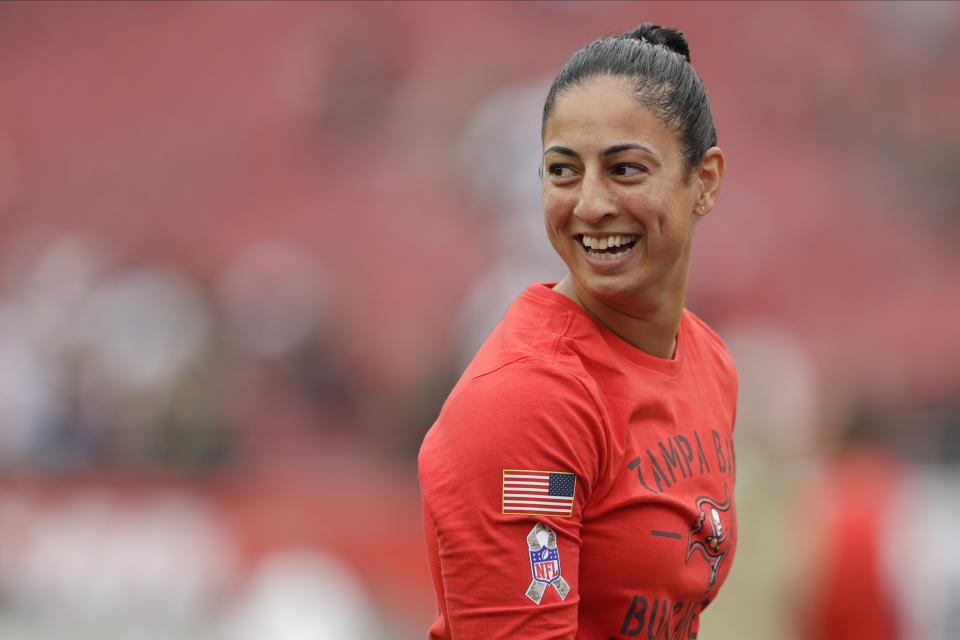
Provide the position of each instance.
(656, 60)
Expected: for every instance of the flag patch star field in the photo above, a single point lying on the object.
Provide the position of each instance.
(538, 493)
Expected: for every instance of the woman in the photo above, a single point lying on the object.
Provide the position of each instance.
(578, 482)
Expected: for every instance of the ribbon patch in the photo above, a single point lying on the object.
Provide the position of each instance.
(544, 563)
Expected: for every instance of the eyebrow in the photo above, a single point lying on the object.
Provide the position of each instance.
(609, 151)
(617, 148)
(567, 151)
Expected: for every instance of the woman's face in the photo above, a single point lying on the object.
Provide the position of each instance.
(618, 208)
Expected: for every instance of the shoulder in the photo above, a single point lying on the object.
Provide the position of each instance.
(526, 413)
(529, 389)
(533, 327)
(526, 364)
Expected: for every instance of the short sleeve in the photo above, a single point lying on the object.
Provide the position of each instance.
(505, 474)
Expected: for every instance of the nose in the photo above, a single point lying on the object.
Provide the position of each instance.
(595, 201)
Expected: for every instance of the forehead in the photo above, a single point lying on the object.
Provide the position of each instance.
(602, 112)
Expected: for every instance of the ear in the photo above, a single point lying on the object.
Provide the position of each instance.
(709, 176)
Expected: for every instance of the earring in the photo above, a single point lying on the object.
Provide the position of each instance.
(702, 209)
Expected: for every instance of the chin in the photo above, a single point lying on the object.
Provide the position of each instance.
(611, 290)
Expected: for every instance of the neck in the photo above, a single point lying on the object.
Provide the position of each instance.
(650, 325)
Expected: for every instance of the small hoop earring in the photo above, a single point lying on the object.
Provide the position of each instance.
(701, 209)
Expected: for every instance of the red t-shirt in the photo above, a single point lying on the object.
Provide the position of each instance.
(577, 487)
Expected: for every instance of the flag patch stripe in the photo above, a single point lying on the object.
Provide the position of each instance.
(538, 492)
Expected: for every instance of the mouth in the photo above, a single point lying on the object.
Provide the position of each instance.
(612, 247)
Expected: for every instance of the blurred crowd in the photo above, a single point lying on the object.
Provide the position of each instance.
(247, 248)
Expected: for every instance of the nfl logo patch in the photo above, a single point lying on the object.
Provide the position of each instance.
(545, 565)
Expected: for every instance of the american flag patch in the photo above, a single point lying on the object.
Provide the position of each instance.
(538, 493)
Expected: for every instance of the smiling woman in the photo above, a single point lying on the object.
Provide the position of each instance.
(578, 482)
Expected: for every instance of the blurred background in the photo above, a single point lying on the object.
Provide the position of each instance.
(247, 248)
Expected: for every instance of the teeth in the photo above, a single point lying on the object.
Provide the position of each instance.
(610, 256)
(599, 244)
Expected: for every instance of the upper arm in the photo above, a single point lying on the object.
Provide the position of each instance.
(521, 417)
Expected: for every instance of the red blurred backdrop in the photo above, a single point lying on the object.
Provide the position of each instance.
(245, 249)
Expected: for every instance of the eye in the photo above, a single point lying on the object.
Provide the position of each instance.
(628, 170)
(560, 171)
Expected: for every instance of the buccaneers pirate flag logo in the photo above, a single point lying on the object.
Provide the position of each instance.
(710, 533)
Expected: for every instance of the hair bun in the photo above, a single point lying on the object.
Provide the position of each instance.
(655, 34)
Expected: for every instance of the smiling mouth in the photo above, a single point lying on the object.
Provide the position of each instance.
(607, 247)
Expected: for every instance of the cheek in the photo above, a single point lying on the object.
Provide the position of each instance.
(676, 234)
(662, 216)
(556, 211)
